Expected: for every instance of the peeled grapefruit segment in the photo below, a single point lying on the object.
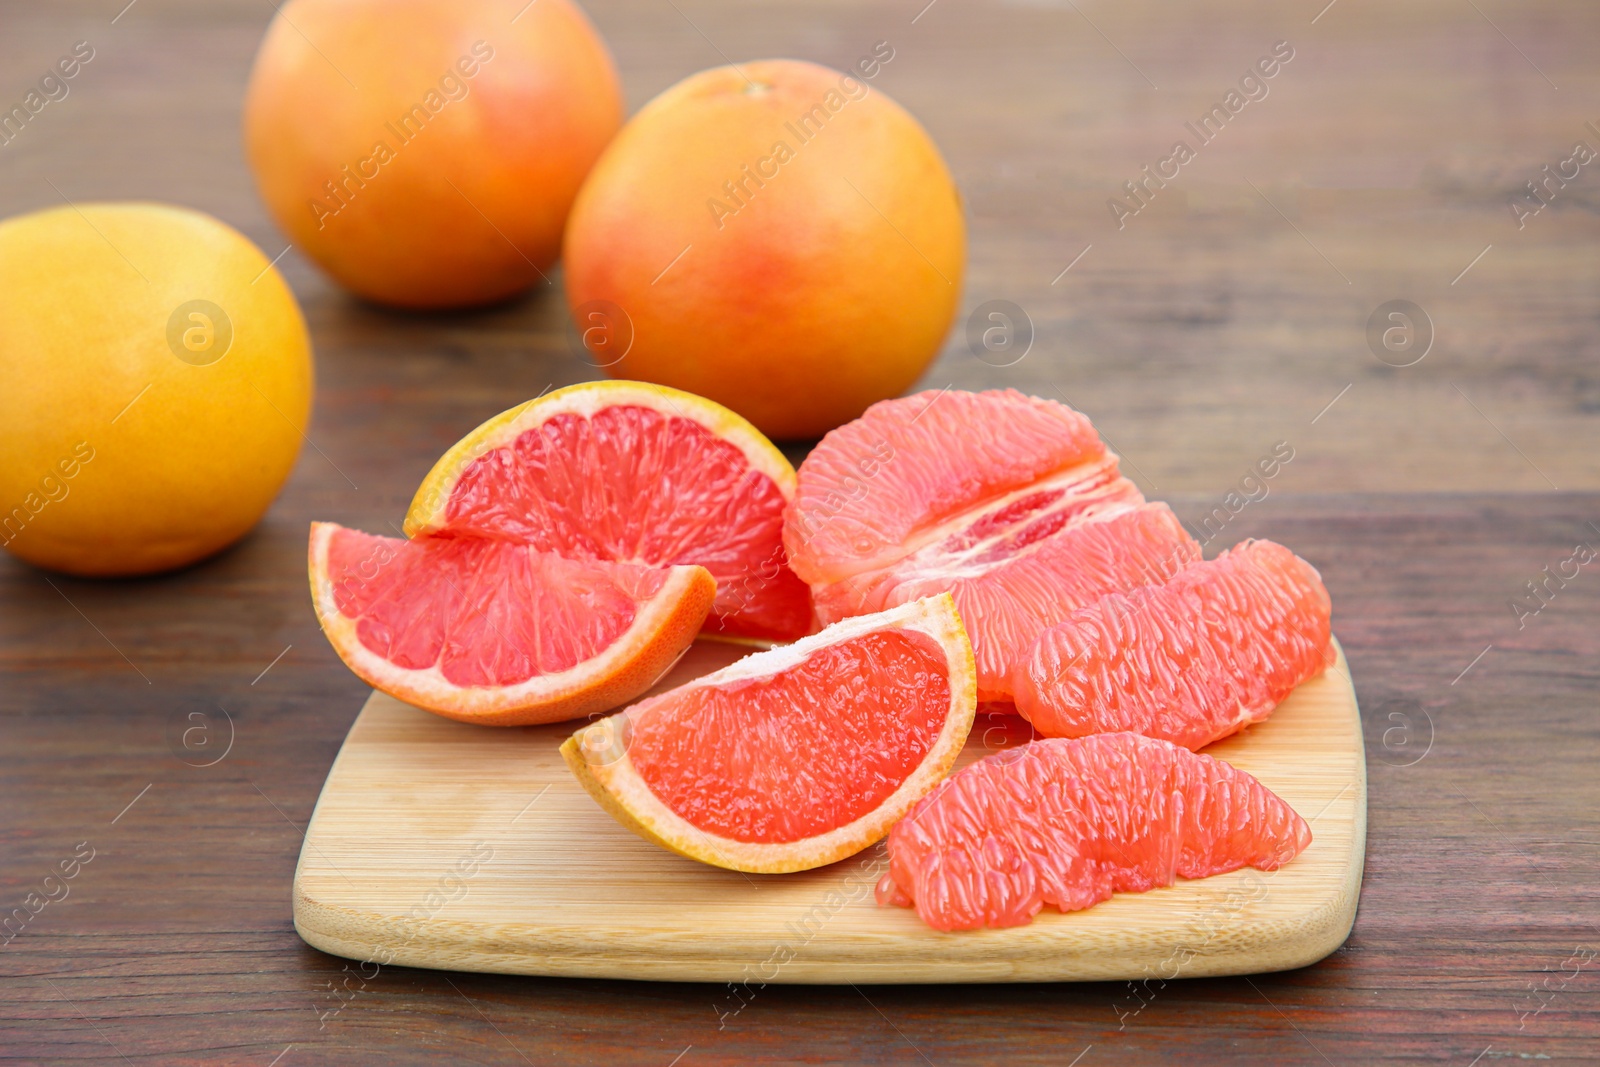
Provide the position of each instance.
(795, 757)
(1190, 661)
(877, 488)
(631, 473)
(497, 632)
(1010, 600)
(1070, 822)
(1009, 502)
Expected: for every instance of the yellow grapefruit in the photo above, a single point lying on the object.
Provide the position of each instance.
(155, 388)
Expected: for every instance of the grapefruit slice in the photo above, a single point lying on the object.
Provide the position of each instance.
(795, 757)
(1070, 822)
(1010, 502)
(496, 632)
(1190, 661)
(631, 473)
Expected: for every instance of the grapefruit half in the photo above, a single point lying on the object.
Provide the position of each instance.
(795, 757)
(496, 632)
(627, 472)
(1011, 503)
(1070, 822)
(1191, 660)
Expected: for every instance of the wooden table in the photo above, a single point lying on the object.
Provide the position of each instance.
(1226, 316)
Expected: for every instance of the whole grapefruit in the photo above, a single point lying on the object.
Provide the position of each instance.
(777, 236)
(155, 382)
(426, 152)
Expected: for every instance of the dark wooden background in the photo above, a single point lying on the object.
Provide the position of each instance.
(1222, 319)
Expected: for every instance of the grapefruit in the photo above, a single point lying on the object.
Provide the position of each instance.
(155, 389)
(1191, 660)
(1011, 503)
(635, 473)
(779, 237)
(426, 154)
(496, 632)
(1070, 822)
(795, 757)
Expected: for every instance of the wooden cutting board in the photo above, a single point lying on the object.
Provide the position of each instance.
(437, 844)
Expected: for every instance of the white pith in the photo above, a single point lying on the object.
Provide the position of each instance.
(429, 686)
(934, 616)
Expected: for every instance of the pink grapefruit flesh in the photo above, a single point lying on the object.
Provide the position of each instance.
(887, 697)
(1070, 822)
(1191, 660)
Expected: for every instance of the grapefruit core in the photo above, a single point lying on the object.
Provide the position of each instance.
(1070, 822)
(631, 473)
(1011, 503)
(498, 633)
(1190, 661)
(795, 757)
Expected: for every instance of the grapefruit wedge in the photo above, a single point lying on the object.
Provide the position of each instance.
(795, 757)
(496, 632)
(1070, 822)
(1011, 503)
(627, 472)
(1191, 660)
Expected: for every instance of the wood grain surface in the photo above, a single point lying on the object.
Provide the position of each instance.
(1224, 318)
(439, 844)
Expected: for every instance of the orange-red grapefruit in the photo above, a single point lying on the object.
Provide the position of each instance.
(777, 236)
(426, 153)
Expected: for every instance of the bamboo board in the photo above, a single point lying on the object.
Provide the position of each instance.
(442, 845)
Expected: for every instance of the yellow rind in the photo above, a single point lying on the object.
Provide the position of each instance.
(426, 513)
